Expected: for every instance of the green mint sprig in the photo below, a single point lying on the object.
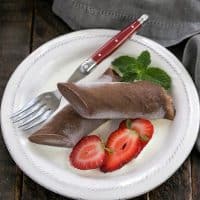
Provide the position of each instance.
(131, 69)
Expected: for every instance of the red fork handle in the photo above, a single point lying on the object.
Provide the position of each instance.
(112, 45)
(116, 41)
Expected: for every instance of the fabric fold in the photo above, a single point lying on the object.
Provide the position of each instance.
(191, 61)
(167, 25)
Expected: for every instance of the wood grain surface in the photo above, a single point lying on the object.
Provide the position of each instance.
(25, 25)
(15, 23)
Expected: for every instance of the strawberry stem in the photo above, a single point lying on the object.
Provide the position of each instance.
(144, 138)
(109, 150)
(128, 123)
(134, 132)
(106, 148)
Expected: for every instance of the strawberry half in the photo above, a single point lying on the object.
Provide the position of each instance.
(88, 153)
(142, 126)
(124, 145)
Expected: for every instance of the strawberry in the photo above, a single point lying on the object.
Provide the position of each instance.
(88, 153)
(142, 126)
(124, 145)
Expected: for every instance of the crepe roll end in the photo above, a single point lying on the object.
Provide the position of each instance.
(169, 106)
(50, 139)
(73, 94)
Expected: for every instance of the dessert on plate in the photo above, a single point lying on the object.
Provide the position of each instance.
(131, 90)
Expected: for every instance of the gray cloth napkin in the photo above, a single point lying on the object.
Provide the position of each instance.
(191, 60)
(170, 21)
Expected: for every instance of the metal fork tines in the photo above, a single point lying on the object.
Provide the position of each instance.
(37, 110)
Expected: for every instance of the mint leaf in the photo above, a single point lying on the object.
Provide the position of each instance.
(139, 67)
(158, 76)
(144, 59)
(129, 76)
(123, 64)
(131, 69)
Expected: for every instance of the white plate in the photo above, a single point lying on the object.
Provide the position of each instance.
(49, 166)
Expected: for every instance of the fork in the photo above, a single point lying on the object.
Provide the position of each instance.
(39, 109)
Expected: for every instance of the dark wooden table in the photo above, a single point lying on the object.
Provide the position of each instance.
(25, 25)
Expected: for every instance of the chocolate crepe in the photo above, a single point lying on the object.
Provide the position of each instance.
(119, 100)
(67, 127)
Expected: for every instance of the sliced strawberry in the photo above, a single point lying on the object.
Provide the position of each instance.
(124, 145)
(88, 153)
(142, 126)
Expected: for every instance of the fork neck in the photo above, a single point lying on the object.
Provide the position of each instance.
(57, 94)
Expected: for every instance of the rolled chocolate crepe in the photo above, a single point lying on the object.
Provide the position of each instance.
(67, 127)
(119, 100)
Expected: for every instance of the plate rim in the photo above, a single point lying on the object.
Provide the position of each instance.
(47, 45)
